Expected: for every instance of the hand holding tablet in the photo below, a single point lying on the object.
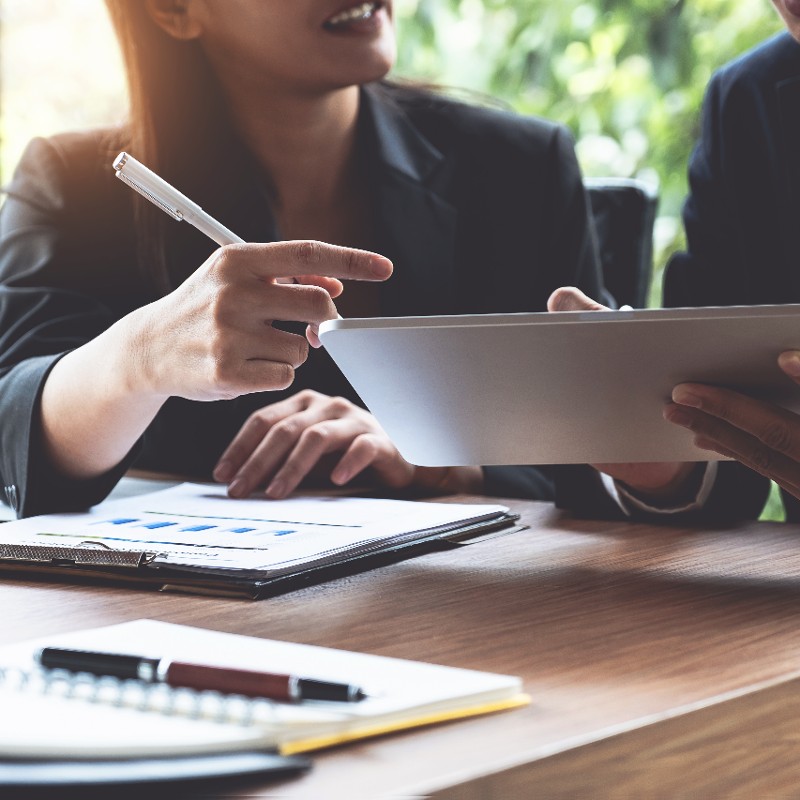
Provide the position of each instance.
(658, 479)
(763, 436)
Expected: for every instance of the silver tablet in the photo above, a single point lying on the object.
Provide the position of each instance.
(562, 388)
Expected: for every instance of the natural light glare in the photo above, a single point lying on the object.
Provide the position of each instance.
(61, 71)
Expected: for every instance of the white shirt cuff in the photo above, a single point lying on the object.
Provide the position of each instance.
(629, 503)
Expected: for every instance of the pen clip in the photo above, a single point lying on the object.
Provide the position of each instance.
(173, 212)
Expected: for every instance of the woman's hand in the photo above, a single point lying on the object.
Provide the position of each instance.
(762, 436)
(213, 339)
(658, 480)
(282, 443)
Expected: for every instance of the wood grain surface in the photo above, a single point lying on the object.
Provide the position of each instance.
(628, 638)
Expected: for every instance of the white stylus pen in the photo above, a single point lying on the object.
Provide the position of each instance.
(170, 200)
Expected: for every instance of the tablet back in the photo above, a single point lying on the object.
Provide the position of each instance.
(570, 387)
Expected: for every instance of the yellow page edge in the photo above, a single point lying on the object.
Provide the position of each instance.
(330, 740)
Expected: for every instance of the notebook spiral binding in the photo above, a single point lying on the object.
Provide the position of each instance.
(145, 697)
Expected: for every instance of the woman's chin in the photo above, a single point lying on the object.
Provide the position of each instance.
(365, 71)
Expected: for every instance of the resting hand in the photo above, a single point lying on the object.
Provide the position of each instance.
(282, 443)
(762, 436)
(659, 480)
(213, 339)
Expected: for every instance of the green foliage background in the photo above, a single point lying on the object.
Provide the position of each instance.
(627, 76)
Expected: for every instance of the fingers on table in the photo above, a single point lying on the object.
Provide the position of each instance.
(327, 436)
(282, 443)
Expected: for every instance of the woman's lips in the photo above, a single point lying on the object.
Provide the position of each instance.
(356, 15)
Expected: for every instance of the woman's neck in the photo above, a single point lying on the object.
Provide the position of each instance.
(306, 144)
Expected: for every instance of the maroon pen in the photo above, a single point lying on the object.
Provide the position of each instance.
(201, 677)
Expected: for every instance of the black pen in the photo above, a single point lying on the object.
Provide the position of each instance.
(201, 677)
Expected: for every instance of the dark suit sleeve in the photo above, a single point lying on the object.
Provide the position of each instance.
(729, 215)
(41, 318)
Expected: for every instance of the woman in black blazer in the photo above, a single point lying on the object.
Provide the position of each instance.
(117, 324)
(741, 219)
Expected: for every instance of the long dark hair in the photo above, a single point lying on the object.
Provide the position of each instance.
(177, 118)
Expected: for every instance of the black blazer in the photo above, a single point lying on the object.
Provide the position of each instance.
(480, 210)
(741, 220)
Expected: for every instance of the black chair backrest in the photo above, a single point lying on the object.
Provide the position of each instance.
(624, 211)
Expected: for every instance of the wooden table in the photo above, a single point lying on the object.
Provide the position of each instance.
(660, 660)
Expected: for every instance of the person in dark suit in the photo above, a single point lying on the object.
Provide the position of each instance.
(741, 223)
(129, 340)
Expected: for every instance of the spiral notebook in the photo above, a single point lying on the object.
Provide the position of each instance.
(55, 715)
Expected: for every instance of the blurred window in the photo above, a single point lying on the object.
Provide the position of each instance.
(59, 70)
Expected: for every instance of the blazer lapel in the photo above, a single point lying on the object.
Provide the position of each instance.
(416, 224)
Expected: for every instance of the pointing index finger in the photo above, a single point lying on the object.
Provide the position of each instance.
(303, 258)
